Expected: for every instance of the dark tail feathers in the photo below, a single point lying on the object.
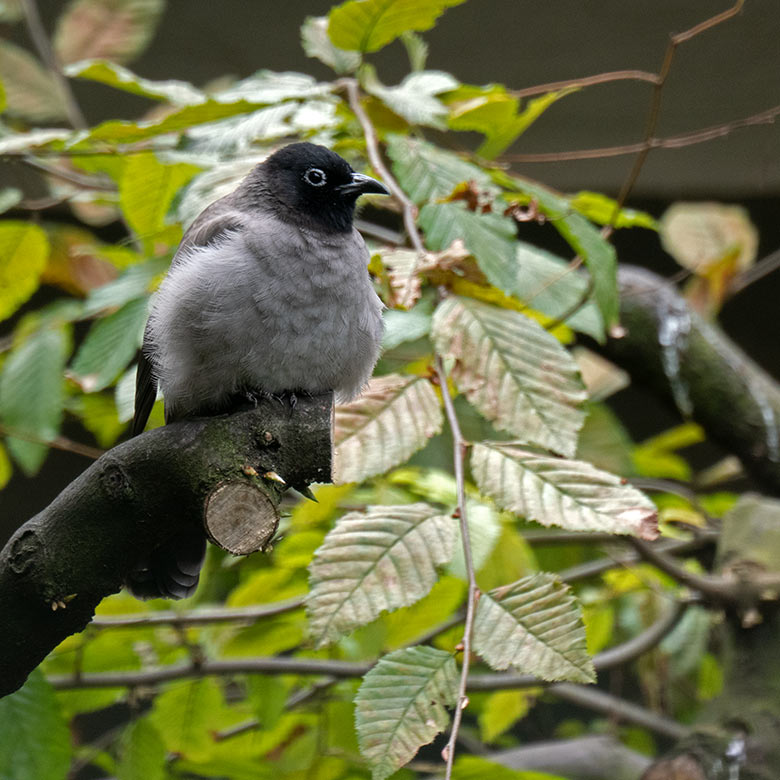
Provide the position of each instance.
(172, 570)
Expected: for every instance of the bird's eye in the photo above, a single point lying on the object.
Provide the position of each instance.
(315, 176)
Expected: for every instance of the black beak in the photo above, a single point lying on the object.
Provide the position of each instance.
(362, 185)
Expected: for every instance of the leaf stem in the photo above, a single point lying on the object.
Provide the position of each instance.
(459, 448)
(42, 44)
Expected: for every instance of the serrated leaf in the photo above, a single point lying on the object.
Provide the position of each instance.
(393, 418)
(489, 237)
(535, 626)
(375, 561)
(599, 255)
(116, 30)
(317, 43)
(177, 92)
(368, 25)
(414, 98)
(34, 737)
(109, 346)
(134, 282)
(32, 394)
(548, 285)
(513, 371)
(31, 91)
(402, 326)
(142, 753)
(426, 171)
(24, 250)
(568, 493)
(400, 706)
(147, 189)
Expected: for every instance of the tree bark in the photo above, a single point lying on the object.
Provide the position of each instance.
(58, 566)
(692, 364)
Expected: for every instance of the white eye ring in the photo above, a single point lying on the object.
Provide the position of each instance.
(315, 176)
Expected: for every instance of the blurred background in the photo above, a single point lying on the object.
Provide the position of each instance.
(728, 73)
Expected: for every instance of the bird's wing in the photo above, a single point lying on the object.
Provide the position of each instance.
(213, 223)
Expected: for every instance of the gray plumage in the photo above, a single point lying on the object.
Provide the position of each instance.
(267, 293)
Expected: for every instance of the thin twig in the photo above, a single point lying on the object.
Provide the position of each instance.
(672, 142)
(459, 447)
(655, 103)
(762, 268)
(586, 81)
(42, 44)
(57, 443)
(200, 617)
(80, 180)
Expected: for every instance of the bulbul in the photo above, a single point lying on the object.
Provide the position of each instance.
(268, 293)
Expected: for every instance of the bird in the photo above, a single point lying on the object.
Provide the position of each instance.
(268, 294)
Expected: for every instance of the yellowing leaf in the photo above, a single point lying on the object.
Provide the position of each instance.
(147, 190)
(31, 91)
(394, 417)
(513, 371)
(401, 705)
(370, 562)
(554, 491)
(535, 626)
(502, 710)
(24, 250)
(115, 30)
(368, 25)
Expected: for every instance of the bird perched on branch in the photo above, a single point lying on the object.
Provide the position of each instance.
(268, 293)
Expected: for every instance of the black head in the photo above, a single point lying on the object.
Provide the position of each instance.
(314, 184)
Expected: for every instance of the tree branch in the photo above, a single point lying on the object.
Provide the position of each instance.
(693, 365)
(58, 566)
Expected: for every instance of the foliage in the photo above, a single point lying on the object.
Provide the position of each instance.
(380, 555)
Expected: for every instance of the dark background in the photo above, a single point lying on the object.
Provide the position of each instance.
(726, 73)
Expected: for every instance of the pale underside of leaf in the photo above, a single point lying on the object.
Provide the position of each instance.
(513, 371)
(535, 626)
(394, 417)
(370, 562)
(568, 493)
(401, 705)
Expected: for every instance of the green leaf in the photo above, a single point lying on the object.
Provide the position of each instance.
(517, 374)
(118, 30)
(496, 114)
(416, 49)
(375, 561)
(31, 91)
(601, 209)
(535, 626)
(501, 711)
(393, 418)
(599, 255)
(13, 143)
(133, 283)
(99, 416)
(11, 11)
(402, 326)
(368, 25)
(142, 753)
(489, 237)
(24, 250)
(147, 190)
(32, 394)
(426, 172)
(316, 43)
(185, 715)
(484, 532)
(478, 768)
(568, 493)
(5, 467)
(109, 346)
(113, 75)
(548, 285)
(400, 706)
(414, 98)
(34, 738)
